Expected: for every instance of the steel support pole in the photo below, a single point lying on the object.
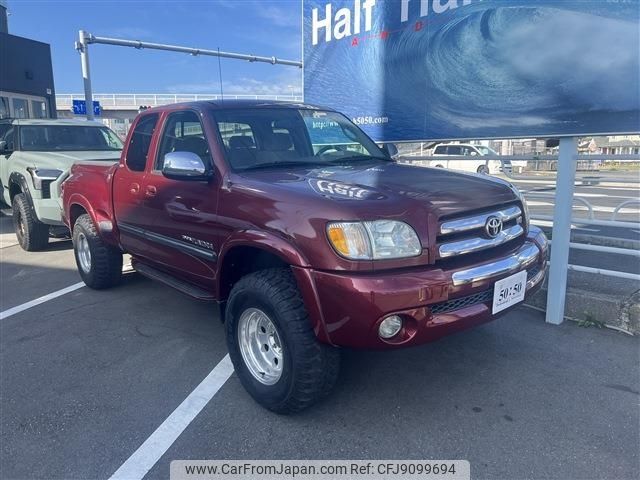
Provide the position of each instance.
(559, 265)
(83, 47)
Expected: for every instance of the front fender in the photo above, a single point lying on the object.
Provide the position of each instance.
(290, 255)
(269, 242)
(19, 179)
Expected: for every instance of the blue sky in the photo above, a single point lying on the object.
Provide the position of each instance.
(268, 27)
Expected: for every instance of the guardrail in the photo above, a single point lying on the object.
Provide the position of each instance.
(585, 180)
(135, 100)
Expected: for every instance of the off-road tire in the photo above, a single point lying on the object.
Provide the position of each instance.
(106, 261)
(310, 368)
(32, 234)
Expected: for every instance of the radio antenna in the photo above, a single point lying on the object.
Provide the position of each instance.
(220, 75)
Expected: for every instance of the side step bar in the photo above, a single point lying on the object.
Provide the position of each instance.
(171, 281)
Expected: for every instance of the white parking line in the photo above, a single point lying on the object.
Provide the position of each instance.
(50, 296)
(143, 459)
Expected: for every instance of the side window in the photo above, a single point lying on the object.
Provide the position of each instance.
(454, 150)
(440, 150)
(183, 133)
(4, 107)
(140, 142)
(20, 108)
(39, 109)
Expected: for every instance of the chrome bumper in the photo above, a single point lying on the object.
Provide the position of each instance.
(525, 256)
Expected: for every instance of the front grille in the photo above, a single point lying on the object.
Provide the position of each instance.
(458, 303)
(46, 188)
(470, 234)
(485, 296)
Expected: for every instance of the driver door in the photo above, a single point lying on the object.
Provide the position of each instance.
(184, 227)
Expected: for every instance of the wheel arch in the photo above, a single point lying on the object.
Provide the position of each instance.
(253, 251)
(78, 205)
(18, 184)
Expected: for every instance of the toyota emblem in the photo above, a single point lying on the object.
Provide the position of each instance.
(493, 227)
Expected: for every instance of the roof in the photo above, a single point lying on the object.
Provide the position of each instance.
(615, 142)
(52, 121)
(237, 104)
(457, 144)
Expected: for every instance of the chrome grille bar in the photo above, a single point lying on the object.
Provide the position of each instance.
(476, 244)
(522, 259)
(478, 221)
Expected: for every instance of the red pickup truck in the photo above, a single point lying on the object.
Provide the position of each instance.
(308, 235)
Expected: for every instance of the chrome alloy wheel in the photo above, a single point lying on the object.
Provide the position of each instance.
(260, 346)
(84, 253)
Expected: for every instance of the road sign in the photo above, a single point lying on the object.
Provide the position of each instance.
(80, 107)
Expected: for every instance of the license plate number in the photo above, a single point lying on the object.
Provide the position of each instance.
(509, 291)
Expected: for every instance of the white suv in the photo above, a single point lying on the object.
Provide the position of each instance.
(476, 165)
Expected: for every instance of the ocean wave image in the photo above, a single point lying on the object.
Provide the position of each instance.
(491, 68)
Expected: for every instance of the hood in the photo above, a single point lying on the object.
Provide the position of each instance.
(64, 160)
(382, 185)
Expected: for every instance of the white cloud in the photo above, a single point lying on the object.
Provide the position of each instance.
(279, 17)
(284, 84)
(130, 33)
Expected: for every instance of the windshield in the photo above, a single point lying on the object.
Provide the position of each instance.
(67, 137)
(486, 150)
(279, 137)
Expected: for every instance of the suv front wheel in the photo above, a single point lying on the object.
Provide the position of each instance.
(32, 234)
(272, 346)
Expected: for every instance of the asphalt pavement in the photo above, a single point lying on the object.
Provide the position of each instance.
(87, 377)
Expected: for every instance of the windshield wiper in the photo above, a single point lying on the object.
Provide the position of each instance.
(358, 158)
(259, 166)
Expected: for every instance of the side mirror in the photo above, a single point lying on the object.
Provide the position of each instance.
(185, 166)
(3, 146)
(390, 150)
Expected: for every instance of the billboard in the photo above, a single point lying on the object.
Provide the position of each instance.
(452, 69)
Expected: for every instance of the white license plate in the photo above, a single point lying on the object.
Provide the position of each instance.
(509, 291)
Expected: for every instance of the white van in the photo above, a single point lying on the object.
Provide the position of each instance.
(477, 165)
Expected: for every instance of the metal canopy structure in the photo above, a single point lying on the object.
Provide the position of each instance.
(85, 39)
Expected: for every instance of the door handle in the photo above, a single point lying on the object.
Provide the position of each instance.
(134, 188)
(150, 191)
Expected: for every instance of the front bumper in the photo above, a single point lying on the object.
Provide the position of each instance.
(433, 302)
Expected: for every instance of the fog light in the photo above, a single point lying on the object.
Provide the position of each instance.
(390, 326)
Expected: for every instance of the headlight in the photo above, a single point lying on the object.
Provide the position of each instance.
(376, 240)
(39, 175)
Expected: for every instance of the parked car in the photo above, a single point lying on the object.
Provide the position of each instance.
(35, 157)
(476, 165)
(305, 233)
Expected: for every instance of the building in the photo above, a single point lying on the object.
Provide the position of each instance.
(612, 145)
(26, 75)
(118, 110)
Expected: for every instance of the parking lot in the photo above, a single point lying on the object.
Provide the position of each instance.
(88, 376)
